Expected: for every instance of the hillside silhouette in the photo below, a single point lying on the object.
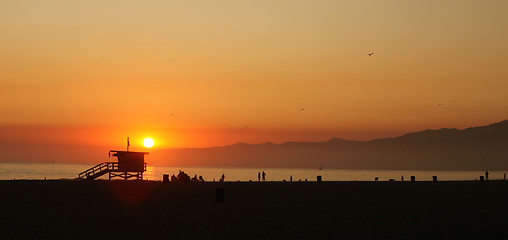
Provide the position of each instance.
(475, 148)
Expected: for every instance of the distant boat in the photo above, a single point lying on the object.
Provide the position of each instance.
(321, 167)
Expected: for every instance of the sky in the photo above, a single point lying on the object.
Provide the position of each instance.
(209, 73)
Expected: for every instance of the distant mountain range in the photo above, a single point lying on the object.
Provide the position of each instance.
(475, 148)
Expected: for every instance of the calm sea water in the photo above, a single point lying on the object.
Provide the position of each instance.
(9, 171)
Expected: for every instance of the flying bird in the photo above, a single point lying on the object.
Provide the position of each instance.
(302, 109)
(370, 54)
(440, 104)
(246, 126)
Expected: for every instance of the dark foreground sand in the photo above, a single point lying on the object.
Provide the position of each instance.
(330, 210)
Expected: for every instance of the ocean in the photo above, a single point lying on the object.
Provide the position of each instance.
(34, 171)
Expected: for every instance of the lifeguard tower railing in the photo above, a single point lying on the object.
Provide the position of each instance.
(103, 168)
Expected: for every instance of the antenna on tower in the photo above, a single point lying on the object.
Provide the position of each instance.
(128, 144)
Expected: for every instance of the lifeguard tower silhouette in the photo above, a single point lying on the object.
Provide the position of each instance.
(129, 165)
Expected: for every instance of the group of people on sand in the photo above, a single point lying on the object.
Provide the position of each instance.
(184, 177)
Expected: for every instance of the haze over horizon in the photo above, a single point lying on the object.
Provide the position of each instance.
(472, 148)
(74, 136)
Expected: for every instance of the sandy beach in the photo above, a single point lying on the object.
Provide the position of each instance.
(267, 210)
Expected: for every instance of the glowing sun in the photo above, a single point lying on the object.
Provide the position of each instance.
(148, 142)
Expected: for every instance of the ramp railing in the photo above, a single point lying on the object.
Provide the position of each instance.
(98, 170)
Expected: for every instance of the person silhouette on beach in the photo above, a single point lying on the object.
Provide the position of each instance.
(222, 178)
(486, 175)
(259, 176)
(264, 175)
(402, 178)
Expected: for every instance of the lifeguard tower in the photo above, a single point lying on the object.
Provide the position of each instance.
(129, 165)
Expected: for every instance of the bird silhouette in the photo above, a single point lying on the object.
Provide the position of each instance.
(302, 109)
(370, 54)
(440, 104)
(246, 126)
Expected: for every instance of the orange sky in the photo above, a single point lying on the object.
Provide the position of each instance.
(95, 72)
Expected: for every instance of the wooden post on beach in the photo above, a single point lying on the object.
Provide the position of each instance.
(165, 178)
(434, 178)
(413, 179)
(319, 179)
(219, 195)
